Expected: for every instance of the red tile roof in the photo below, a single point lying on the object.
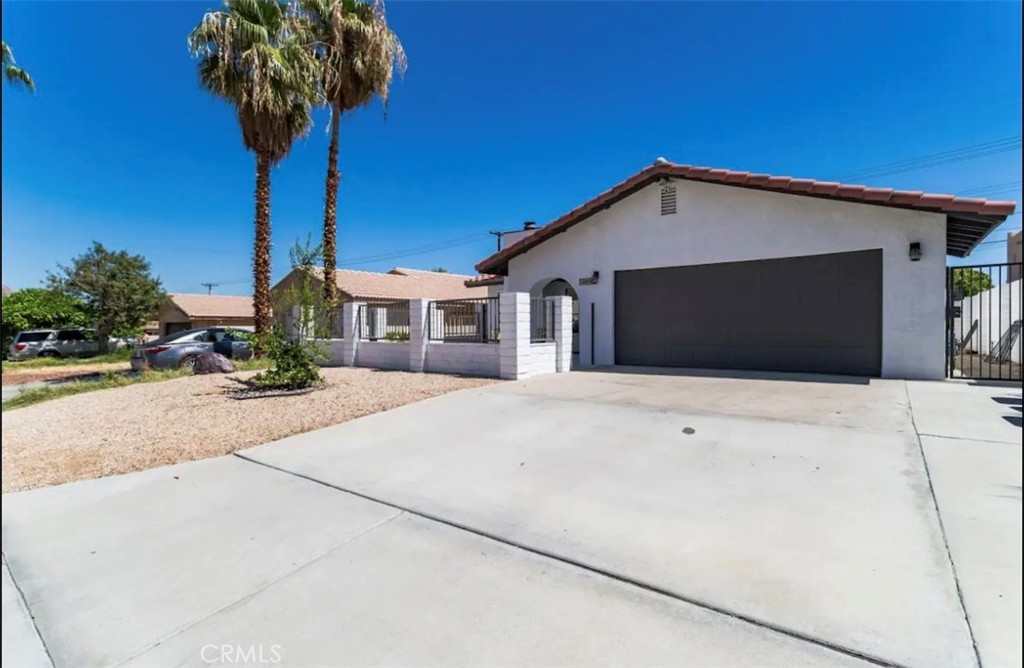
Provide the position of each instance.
(974, 216)
(485, 279)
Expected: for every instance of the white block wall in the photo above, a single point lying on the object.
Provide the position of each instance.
(472, 359)
(383, 355)
(513, 357)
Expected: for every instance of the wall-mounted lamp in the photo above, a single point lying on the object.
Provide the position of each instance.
(590, 280)
(915, 251)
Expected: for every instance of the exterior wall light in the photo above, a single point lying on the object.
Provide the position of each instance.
(915, 251)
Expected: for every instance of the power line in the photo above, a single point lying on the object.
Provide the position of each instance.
(393, 255)
(1007, 186)
(209, 287)
(936, 159)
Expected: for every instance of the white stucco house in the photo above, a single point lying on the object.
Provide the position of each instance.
(686, 266)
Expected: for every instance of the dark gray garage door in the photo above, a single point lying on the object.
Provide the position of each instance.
(818, 313)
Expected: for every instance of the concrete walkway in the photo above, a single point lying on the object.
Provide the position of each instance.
(583, 519)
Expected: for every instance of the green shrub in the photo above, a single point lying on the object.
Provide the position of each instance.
(396, 336)
(294, 364)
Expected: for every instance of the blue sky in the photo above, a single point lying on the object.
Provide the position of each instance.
(508, 112)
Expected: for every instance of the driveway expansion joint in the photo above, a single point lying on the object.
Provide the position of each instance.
(263, 587)
(24, 603)
(710, 607)
(942, 530)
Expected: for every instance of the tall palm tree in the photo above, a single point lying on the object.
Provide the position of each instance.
(249, 56)
(359, 54)
(14, 74)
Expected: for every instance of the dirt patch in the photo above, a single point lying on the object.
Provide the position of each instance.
(973, 365)
(70, 372)
(141, 426)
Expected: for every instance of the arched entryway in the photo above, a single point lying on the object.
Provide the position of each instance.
(559, 287)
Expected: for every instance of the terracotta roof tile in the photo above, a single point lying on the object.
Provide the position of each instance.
(402, 283)
(992, 211)
(213, 306)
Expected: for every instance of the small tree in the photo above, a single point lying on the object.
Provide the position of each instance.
(439, 270)
(116, 285)
(295, 359)
(32, 308)
(970, 282)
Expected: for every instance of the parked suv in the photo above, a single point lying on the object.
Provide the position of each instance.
(53, 343)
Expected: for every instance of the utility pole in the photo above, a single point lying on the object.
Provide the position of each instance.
(209, 287)
(499, 235)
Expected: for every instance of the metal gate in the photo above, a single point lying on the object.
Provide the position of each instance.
(983, 321)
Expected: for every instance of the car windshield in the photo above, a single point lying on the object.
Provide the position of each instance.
(30, 337)
(186, 336)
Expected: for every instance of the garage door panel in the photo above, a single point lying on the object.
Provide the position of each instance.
(816, 313)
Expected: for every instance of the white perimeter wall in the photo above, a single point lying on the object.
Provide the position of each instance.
(994, 310)
(381, 355)
(718, 223)
(472, 359)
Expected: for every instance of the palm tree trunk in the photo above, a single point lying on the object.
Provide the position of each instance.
(331, 213)
(261, 253)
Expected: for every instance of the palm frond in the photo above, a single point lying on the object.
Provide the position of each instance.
(358, 51)
(14, 74)
(249, 57)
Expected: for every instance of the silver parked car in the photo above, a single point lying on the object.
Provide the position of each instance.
(179, 350)
(53, 343)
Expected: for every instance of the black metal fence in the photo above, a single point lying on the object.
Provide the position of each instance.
(383, 321)
(464, 320)
(983, 321)
(542, 320)
(328, 324)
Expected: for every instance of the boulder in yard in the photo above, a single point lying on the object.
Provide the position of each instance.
(212, 363)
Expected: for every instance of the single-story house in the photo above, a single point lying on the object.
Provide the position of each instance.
(398, 284)
(185, 311)
(682, 266)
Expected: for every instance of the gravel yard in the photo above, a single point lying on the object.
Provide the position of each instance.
(141, 426)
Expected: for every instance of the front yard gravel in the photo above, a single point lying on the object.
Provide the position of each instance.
(141, 426)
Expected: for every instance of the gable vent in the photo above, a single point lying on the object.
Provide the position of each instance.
(668, 198)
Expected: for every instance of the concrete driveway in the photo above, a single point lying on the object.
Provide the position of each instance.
(581, 519)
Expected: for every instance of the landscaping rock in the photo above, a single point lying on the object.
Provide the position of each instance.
(212, 363)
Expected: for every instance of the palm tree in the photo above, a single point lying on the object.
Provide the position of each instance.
(14, 74)
(359, 54)
(249, 56)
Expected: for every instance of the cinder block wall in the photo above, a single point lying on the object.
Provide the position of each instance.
(513, 357)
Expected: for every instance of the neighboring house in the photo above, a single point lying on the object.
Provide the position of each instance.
(685, 266)
(185, 311)
(397, 284)
(1014, 254)
(6, 290)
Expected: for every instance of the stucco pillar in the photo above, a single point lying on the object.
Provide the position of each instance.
(563, 333)
(514, 347)
(418, 334)
(349, 332)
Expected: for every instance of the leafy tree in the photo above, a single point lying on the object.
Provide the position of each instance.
(116, 286)
(358, 53)
(250, 56)
(33, 308)
(970, 282)
(439, 270)
(14, 74)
